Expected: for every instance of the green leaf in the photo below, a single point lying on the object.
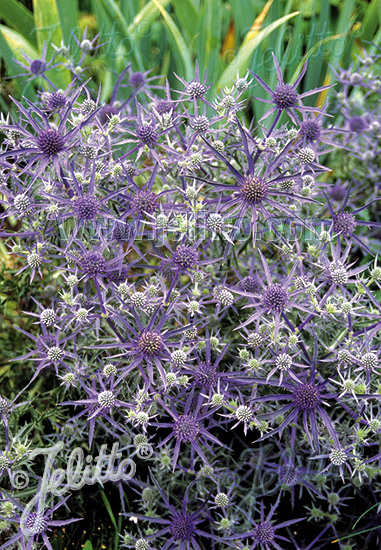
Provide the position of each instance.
(209, 37)
(241, 60)
(147, 15)
(115, 15)
(319, 29)
(311, 51)
(240, 11)
(68, 14)
(180, 49)
(129, 8)
(47, 23)
(376, 40)
(108, 508)
(187, 14)
(88, 545)
(17, 16)
(343, 26)
(17, 42)
(107, 86)
(372, 20)
(294, 51)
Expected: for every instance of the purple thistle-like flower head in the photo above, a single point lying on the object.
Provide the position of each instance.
(344, 223)
(150, 344)
(249, 284)
(50, 141)
(285, 96)
(56, 100)
(163, 106)
(200, 124)
(206, 376)
(185, 257)
(145, 201)
(37, 66)
(357, 124)
(182, 527)
(338, 274)
(310, 130)
(307, 397)
(264, 532)
(137, 79)
(275, 298)
(36, 523)
(92, 263)
(121, 232)
(106, 399)
(195, 90)
(254, 190)
(86, 207)
(147, 134)
(338, 192)
(288, 475)
(186, 428)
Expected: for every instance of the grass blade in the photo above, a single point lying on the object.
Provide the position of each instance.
(180, 49)
(17, 42)
(187, 14)
(209, 37)
(12, 67)
(68, 15)
(316, 65)
(47, 23)
(312, 50)
(147, 15)
(343, 27)
(115, 15)
(17, 16)
(241, 60)
(108, 508)
(372, 20)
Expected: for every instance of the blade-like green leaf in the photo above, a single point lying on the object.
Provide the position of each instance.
(12, 67)
(17, 16)
(311, 51)
(129, 8)
(372, 20)
(108, 508)
(187, 14)
(241, 60)
(294, 46)
(240, 11)
(16, 42)
(105, 24)
(147, 15)
(107, 85)
(47, 23)
(180, 49)
(376, 40)
(116, 16)
(343, 25)
(209, 37)
(68, 14)
(315, 73)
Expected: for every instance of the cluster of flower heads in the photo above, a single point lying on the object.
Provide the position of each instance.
(212, 290)
(357, 108)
